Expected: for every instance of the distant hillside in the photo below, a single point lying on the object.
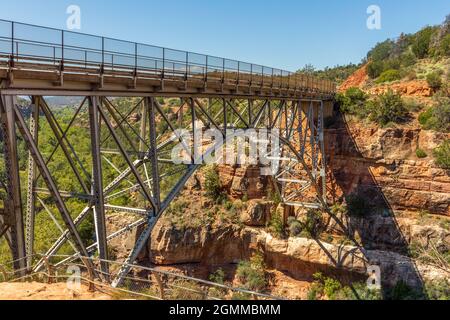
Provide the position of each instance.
(58, 102)
(396, 59)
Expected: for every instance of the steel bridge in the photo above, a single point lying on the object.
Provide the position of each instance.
(169, 90)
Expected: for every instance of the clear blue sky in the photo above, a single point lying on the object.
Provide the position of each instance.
(278, 33)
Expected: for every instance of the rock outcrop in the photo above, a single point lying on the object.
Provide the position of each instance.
(298, 257)
(257, 213)
(240, 181)
(414, 88)
(383, 164)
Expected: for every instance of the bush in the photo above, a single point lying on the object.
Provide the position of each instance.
(276, 225)
(357, 206)
(295, 227)
(388, 107)
(438, 290)
(442, 155)
(421, 154)
(252, 273)
(352, 101)
(313, 226)
(334, 290)
(213, 186)
(434, 81)
(389, 76)
(218, 276)
(438, 117)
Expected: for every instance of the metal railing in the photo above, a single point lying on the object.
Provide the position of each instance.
(20, 42)
(141, 282)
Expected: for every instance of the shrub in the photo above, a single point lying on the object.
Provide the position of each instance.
(357, 206)
(438, 290)
(334, 290)
(425, 116)
(218, 276)
(352, 101)
(421, 154)
(408, 59)
(252, 273)
(438, 117)
(276, 225)
(295, 227)
(434, 81)
(213, 186)
(389, 76)
(388, 107)
(313, 225)
(442, 155)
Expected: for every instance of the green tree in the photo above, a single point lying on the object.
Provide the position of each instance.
(421, 45)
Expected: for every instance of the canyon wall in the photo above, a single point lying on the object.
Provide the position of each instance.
(382, 165)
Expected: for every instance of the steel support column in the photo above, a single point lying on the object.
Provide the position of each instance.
(153, 152)
(13, 207)
(31, 184)
(98, 200)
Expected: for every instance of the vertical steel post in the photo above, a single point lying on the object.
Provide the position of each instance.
(31, 183)
(97, 186)
(322, 150)
(143, 128)
(153, 153)
(14, 201)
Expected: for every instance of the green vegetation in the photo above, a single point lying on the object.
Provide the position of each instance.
(421, 154)
(276, 225)
(353, 102)
(313, 226)
(337, 74)
(392, 60)
(252, 273)
(438, 117)
(332, 289)
(357, 205)
(389, 76)
(388, 107)
(295, 227)
(442, 155)
(213, 186)
(383, 109)
(438, 290)
(434, 80)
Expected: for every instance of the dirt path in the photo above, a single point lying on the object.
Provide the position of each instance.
(43, 291)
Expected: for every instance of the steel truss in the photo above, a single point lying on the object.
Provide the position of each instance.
(135, 145)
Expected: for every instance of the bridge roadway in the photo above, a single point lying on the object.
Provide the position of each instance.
(45, 61)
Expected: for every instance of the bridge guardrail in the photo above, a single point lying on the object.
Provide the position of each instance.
(25, 42)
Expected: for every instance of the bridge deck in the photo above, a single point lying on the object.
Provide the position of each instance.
(57, 62)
